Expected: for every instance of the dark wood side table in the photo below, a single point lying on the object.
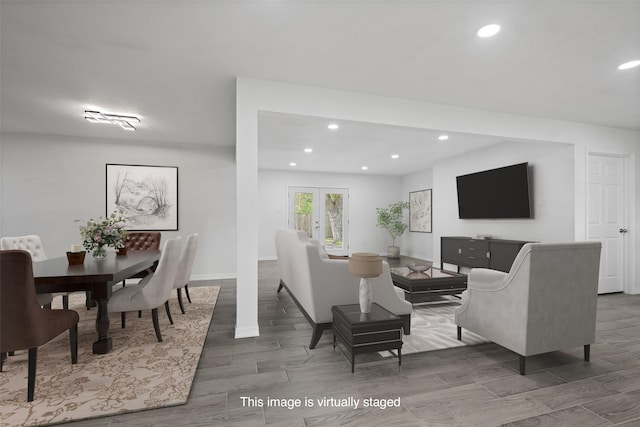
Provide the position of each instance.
(362, 333)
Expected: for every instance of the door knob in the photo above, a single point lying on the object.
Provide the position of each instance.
(623, 230)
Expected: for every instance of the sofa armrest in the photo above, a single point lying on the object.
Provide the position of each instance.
(484, 279)
(333, 284)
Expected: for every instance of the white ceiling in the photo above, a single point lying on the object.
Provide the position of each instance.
(174, 64)
(283, 138)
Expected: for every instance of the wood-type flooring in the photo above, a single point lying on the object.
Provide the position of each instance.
(467, 386)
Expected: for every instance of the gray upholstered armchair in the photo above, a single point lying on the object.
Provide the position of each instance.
(546, 302)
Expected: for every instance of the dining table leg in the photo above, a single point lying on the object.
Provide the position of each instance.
(101, 295)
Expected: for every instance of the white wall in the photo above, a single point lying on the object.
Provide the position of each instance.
(50, 185)
(553, 193)
(367, 192)
(419, 245)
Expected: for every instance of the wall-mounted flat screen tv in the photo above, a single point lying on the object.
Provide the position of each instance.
(497, 193)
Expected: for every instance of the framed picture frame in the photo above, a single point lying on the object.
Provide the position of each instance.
(420, 211)
(146, 195)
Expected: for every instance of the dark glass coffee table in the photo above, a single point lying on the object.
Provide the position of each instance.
(421, 287)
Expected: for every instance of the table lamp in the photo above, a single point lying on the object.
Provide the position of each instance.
(365, 265)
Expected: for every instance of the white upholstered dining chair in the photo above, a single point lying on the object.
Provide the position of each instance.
(33, 244)
(185, 265)
(153, 291)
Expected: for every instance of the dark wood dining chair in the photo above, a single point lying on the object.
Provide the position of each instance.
(33, 244)
(24, 325)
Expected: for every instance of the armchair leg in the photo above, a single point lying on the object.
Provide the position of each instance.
(123, 319)
(587, 352)
(459, 333)
(73, 342)
(166, 307)
(180, 300)
(186, 291)
(156, 324)
(65, 301)
(522, 361)
(31, 378)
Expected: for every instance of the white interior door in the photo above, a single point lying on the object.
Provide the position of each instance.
(606, 221)
(323, 214)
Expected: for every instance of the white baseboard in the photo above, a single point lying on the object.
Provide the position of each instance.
(214, 276)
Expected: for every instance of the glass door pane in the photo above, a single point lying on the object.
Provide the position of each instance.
(303, 210)
(335, 224)
(323, 214)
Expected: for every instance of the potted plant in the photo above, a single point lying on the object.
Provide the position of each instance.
(392, 220)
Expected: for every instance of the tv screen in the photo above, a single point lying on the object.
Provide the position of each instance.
(495, 193)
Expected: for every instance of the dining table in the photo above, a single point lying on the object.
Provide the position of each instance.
(96, 277)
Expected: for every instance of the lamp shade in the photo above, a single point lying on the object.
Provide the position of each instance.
(365, 265)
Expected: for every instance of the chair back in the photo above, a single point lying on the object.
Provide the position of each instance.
(559, 288)
(158, 288)
(30, 243)
(19, 308)
(185, 263)
(143, 241)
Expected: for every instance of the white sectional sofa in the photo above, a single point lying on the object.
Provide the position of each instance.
(316, 283)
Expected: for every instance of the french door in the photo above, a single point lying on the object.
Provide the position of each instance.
(323, 213)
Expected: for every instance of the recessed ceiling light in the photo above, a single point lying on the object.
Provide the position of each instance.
(489, 30)
(394, 156)
(364, 168)
(630, 64)
(308, 150)
(292, 164)
(443, 137)
(333, 126)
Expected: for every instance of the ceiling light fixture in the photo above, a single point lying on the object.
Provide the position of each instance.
(308, 150)
(292, 164)
(489, 30)
(443, 137)
(123, 121)
(364, 168)
(394, 156)
(628, 65)
(333, 126)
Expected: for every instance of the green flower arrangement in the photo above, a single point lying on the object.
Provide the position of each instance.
(99, 234)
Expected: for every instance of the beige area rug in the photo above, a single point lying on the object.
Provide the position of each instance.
(433, 327)
(139, 373)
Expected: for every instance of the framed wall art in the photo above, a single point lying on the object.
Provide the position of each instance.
(420, 211)
(146, 195)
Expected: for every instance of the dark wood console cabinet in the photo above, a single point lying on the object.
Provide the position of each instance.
(496, 254)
